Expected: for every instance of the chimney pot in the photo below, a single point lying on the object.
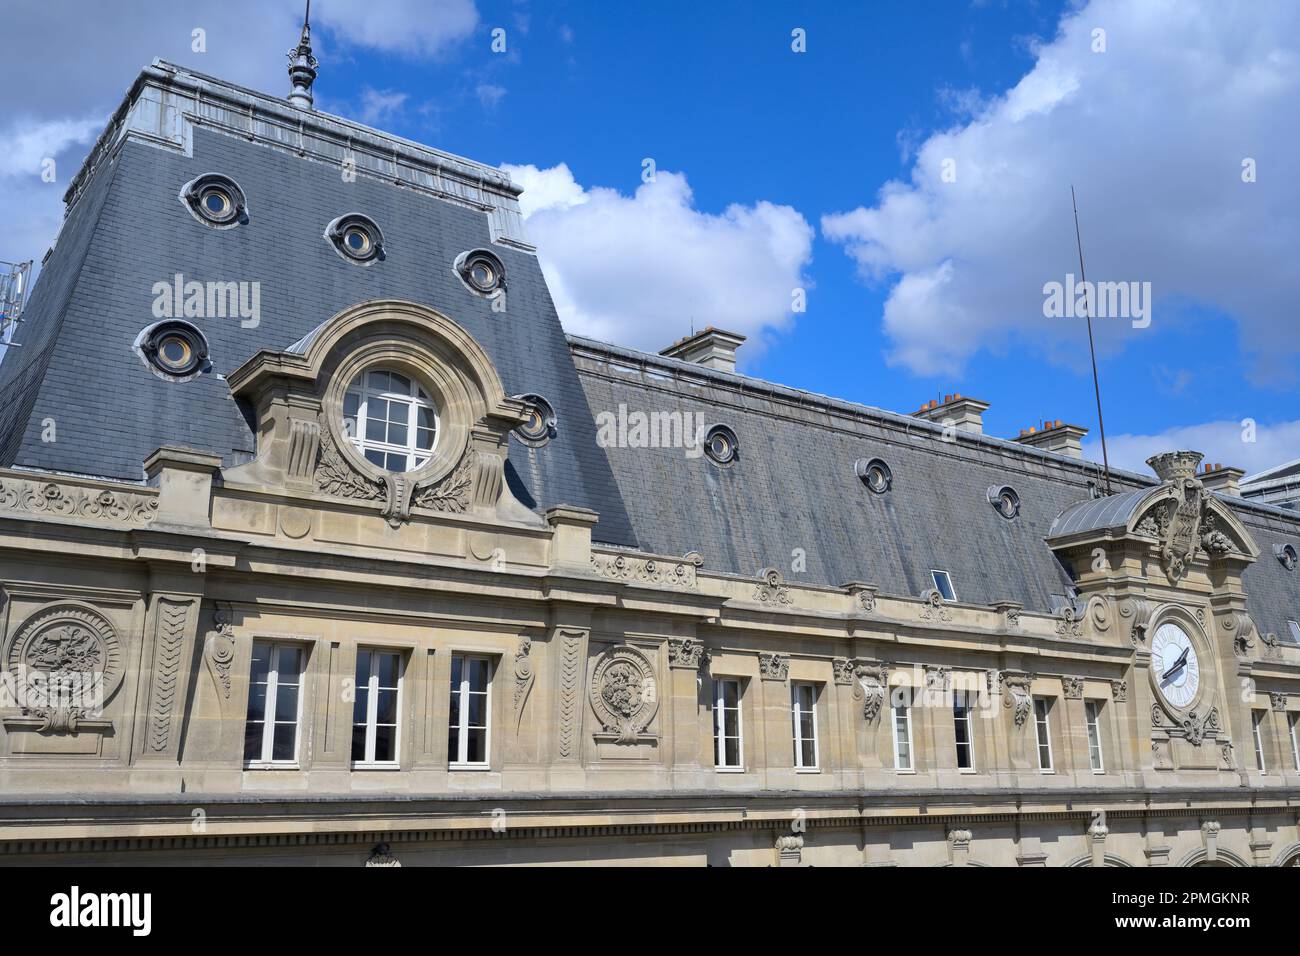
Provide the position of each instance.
(1055, 436)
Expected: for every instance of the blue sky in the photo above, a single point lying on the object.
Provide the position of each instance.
(822, 170)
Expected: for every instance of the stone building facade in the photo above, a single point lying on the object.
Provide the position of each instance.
(393, 572)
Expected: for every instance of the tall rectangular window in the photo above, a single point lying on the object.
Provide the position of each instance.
(376, 712)
(1092, 717)
(943, 584)
(803, 710)
(1294, 721)
(965, 729)
(902, 731)
(728, 744)
(1042, 708)
(1256, 719)
(467, 727)
(274, 704)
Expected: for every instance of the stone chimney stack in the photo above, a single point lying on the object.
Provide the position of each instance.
(1223, 478)
(1055, 436)
(712, 348)
(965, 414)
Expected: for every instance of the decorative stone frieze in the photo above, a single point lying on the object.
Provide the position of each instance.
(773, 666)
(623, 693)
(1119, 690)
(1068, 622)
(664, 572)
(70, 501)
(685, 653)
(933, 607)
(1010, 611)
(771, 588)
(1073, 687)
(863, 595)
(1278, 700)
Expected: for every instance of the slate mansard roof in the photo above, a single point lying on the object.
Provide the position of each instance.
(792, 501)
(126, 230)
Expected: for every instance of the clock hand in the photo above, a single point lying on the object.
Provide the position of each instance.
(1182, 659)
(1169, 677)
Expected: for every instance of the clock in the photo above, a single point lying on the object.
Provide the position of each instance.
(1174, 665)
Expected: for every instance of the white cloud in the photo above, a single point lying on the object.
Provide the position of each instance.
(418, 28)
(1152, 133)
(638, 270)
(379, 105)
(1225, 442)
(60, 111)
(489, 94)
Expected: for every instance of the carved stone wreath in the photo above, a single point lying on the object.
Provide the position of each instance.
(335, 475)
(66, 661)
(623, 693)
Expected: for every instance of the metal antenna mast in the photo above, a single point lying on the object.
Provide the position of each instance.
(1092, 350)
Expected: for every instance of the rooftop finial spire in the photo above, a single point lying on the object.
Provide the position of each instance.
(302, 66)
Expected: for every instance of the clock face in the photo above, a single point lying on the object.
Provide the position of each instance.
(1173, 661)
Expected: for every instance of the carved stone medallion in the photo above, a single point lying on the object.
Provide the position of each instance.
(66, 661)
(623, 692)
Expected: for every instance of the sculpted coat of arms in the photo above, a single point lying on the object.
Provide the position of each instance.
(623, 693)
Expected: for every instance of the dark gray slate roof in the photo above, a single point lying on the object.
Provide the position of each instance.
(129, 231)
(794, 491)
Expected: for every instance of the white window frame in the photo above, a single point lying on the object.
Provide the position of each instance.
(1043, 733)
(462, 735)
(371, 691)
(902, 707)
(1256, 721)
(968, 720)
(719, 726)
(266, 762)
(1294, 628)
(1293, 719)
(417, 397)
(795, 713)
(934, 578)
(1092, 722)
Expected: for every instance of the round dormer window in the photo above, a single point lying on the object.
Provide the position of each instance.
(875, 474)
(391, 419)
(481, 271)
(175, 350)
(720, 445)
(540, 426)
(215, 200)
(357, 238)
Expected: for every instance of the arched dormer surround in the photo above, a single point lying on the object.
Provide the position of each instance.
(302, 443)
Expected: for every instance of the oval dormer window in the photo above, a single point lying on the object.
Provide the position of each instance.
(391, 419)
(540, 426)
(215, 200)
(481, 271)
(357, 238)
(720, 445)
